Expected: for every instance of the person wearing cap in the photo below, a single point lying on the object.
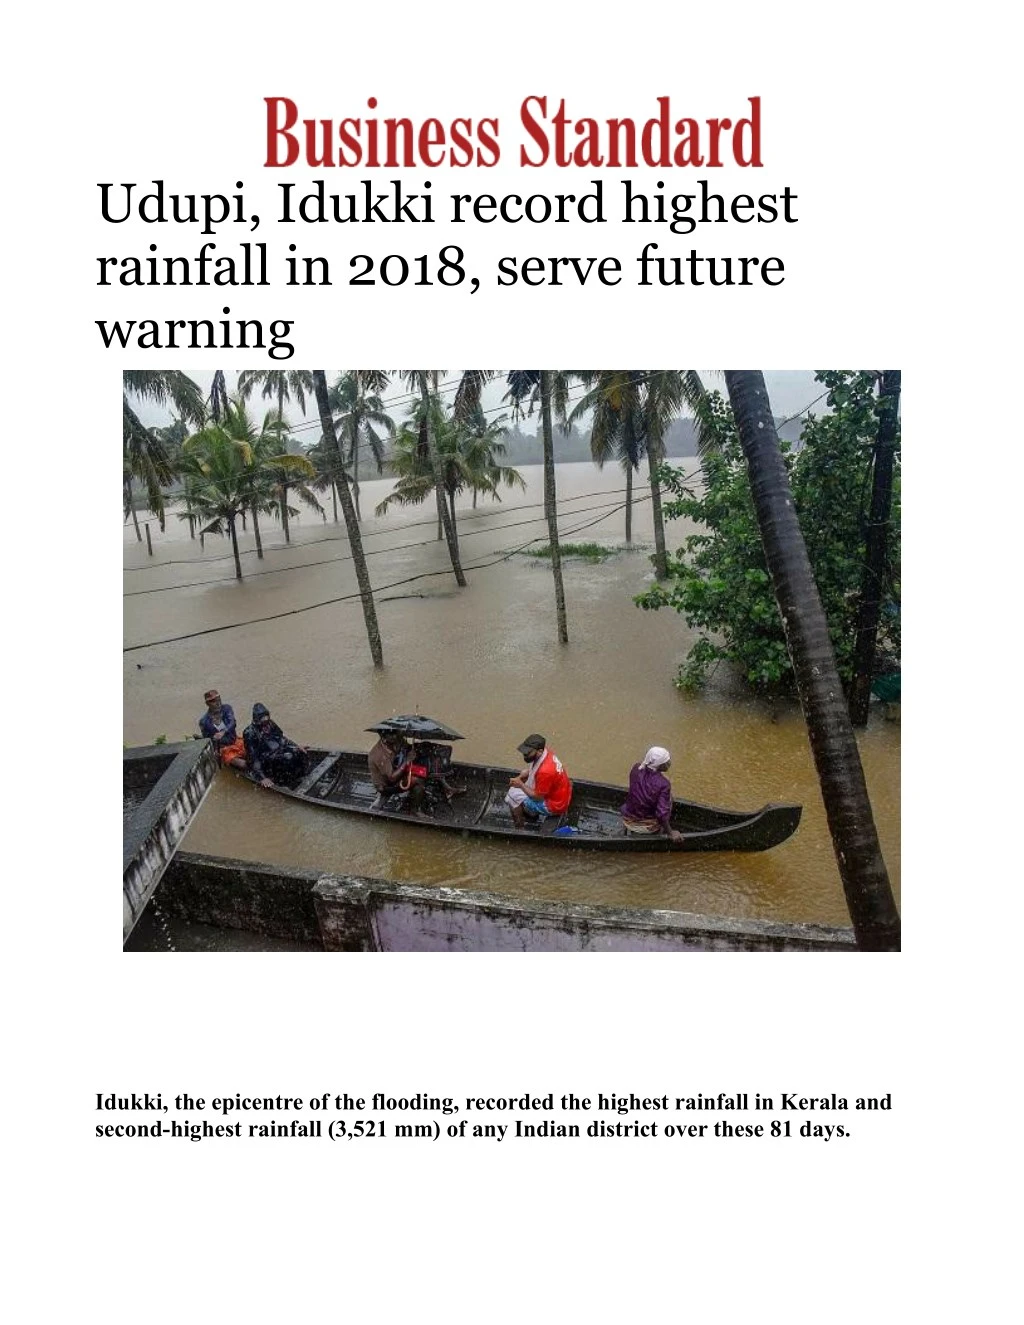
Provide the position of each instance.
(392, 772)
(218, 725)
(543, 787)
(648, 807)
(272, 757)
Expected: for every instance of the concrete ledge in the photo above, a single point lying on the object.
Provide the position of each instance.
(164, 785)
(371, 915)
(355, 914)
(242, 894)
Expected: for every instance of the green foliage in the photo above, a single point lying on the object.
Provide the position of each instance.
(719, 580)
(470, 453)
(161, 739)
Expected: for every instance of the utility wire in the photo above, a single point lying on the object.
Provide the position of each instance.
(369, 533)
(376, 552)
(383, 588)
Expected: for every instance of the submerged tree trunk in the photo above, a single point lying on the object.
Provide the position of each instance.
(654, 459)
(284, 512)
(875, 566)
(876, 921)
(131, 507)
(442, 509)
(234, 548)
(550, 507)
(256, 532)
(351, 522)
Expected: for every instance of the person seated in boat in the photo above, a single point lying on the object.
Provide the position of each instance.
(393, 772)
(218, 725)
(272, 758)
(542, 788)
(432, 762)
(648, 807)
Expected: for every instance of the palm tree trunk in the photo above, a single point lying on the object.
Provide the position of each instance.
(284, 512)
(351, 522)
(875, 550)
(654, 459)
(234, 548)
(550, 506)
(629, 504)
(355, 470)
(131, 507)
(256, 532)
(451, 512)
(876, 921)
(442, 508)
(334, 499)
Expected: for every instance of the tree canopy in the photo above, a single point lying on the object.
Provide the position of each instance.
(718, 578)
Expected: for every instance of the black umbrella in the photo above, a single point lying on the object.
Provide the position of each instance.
(416, 726)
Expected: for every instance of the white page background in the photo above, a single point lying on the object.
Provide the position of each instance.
(900, 1221)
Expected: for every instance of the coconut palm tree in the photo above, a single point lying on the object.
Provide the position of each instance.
(615, 402)
(875, 567)
(280, 385)
(272, 468)
(481, 451)
(469, 460)
(632, 412)
(424, 382)
(145, 453)
(359, 414)
(217, 401)
(288, 479)
(277, 385)
(869, 896)
(524, 386)
(527, 388)
(216, 468)
(351, 522)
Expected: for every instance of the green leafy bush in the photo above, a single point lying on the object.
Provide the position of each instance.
(719, 579)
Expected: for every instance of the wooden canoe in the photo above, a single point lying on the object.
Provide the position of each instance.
(340, 780)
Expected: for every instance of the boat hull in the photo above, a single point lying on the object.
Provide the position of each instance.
(340, 780)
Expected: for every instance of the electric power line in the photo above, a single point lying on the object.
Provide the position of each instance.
(345, 598)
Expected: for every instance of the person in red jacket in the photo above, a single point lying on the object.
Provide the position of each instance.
(542, 788)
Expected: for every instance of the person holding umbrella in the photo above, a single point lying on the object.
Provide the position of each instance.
(392, 773)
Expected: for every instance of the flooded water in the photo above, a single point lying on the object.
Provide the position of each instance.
(485, 660)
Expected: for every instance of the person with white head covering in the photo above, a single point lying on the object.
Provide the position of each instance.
(648, 807)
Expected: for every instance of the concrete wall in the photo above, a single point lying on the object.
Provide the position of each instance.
(164, 785)
(349, 914)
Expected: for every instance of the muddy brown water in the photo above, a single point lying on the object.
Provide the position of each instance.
(485, 660)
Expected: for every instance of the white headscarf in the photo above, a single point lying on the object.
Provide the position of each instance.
(656, 757)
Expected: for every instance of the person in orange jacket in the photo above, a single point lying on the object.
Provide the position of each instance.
(542, 788)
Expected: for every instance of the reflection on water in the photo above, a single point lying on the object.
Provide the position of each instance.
(484, 659)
